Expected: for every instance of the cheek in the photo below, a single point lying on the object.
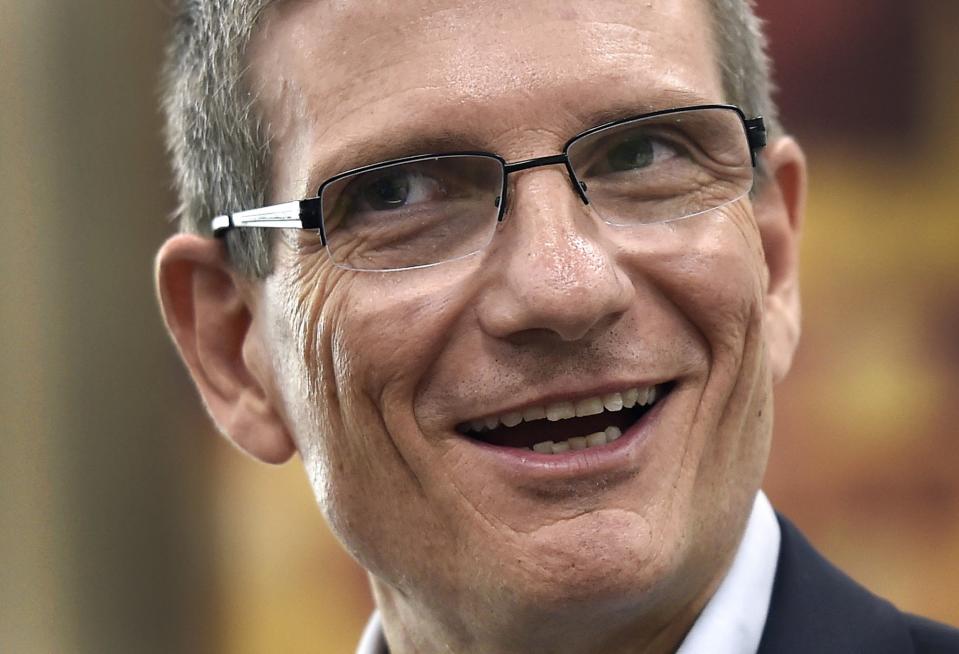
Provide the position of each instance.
(299, 297)
(361, 344)
(712, 269)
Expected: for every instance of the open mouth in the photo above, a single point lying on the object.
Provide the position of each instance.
(563, 426)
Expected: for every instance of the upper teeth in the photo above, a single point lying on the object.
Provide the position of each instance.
(562, 410)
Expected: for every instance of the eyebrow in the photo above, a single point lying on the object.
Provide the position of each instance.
(414, 138)
(395, 143)
(666, 99)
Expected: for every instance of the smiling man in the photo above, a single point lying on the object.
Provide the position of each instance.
(515, 281)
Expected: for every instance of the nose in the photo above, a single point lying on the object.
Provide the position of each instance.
(551, 273)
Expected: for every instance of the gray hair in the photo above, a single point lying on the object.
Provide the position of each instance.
(220, 146)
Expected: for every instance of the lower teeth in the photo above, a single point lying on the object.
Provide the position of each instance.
(579, 442)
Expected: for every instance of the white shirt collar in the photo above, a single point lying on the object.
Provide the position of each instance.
(372, 641)
(732, 621)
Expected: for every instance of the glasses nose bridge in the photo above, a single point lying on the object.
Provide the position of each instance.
(561, 159)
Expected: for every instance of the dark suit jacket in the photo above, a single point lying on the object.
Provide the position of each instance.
(816, 609)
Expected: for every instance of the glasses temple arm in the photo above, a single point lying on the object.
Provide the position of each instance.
(301, 214)
(756, 135)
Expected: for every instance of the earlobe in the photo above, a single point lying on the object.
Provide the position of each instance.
(780, 206)
(208, 312)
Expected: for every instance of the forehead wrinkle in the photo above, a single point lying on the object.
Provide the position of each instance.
(338, 146)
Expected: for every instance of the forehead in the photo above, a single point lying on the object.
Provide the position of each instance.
(369, 78)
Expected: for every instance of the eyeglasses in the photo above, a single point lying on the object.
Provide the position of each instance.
(430, 209)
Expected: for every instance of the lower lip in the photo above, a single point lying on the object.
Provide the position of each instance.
(620, 455)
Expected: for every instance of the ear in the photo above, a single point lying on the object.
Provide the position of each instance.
(780, 205)
(208, 309)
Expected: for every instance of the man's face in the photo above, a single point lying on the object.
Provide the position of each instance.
(375, 373)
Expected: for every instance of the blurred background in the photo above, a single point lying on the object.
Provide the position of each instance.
(128, 525)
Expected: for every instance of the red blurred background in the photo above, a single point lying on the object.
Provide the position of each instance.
(128, 525)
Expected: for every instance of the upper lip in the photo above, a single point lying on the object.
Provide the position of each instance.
(563, 396)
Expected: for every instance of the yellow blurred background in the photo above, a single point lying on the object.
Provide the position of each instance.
(127, 525)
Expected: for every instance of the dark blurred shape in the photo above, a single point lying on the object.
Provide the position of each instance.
(849, 71)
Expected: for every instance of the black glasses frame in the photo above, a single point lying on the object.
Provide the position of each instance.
(308, 214)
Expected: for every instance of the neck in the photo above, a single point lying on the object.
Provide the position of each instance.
(411, 627)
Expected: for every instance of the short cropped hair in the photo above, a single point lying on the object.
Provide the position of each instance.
(219, 142)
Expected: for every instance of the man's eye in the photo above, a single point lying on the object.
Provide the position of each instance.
(398, 190)
(387, 193)
(638, 152)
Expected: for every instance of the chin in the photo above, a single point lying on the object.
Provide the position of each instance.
(603, 562)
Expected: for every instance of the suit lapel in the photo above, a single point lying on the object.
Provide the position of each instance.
(816, 608)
